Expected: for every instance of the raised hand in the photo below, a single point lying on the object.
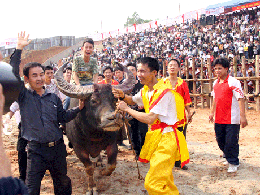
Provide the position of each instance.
(22, 41)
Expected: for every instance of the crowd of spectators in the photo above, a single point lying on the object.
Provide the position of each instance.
(232, 35)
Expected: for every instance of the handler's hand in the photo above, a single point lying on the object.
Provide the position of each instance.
(81, 104)
(243, 122)
(118, 93)
(22, 41)
(121, 105)
(211, 118)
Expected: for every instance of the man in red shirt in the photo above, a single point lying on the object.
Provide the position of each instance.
(108, 73)
(229, 109)
(180, 86)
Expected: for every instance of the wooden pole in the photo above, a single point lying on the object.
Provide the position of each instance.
(201, 82)
(245, 81)
(257, 83)
(194, 82)
(187, 68)
(164, 68)
(210, 80)
(235, 66)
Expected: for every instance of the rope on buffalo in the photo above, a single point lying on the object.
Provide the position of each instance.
(126, 125)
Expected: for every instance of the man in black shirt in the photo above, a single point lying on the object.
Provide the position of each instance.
(41, 113)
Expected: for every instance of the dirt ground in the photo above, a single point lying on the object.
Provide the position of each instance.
(206, 173)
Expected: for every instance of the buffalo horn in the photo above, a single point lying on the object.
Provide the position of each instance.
(73, 91)
(128, 84)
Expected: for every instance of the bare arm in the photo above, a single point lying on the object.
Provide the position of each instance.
(143, 117)
(213, 110)
(75, 77)
(5, 166)
(189, 119)
(243, 120)
(95, 78)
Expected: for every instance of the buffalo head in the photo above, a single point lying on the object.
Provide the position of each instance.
(100, 104)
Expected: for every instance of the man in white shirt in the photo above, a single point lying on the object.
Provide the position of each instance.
(160, 147)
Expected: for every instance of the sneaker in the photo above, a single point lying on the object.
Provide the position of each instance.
(225, 162)
(232, 168)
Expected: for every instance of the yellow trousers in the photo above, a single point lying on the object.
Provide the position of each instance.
(159, 179)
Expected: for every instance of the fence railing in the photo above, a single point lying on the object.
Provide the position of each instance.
(202, 87)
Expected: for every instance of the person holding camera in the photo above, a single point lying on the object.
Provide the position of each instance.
(8, 184)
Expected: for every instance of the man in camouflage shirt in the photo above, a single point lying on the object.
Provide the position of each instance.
(85, 68)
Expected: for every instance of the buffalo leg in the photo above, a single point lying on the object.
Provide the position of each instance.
(89, 168)
(112, 151)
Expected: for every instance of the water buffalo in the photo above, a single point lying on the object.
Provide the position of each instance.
(96, 126)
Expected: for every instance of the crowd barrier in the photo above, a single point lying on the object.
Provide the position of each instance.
(199, 98)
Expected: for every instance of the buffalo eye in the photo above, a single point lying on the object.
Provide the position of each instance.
(93, 102)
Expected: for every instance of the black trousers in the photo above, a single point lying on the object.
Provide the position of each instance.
(42, 158)
(137, 133)
(227, 136)
(22, 155)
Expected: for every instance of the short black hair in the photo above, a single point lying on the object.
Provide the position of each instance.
(88, 40)
(151, 62)
(101, 75)
(108, 67)
(131, 64)
(68, 68)
(222, 61)
(30, 65)
(48, 68)
(118, 68)
(178, 62)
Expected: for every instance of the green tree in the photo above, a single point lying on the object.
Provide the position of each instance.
(135, 19)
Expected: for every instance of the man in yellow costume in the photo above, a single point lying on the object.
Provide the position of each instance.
(164, 144)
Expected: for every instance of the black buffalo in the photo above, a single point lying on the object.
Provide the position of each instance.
(96, 126)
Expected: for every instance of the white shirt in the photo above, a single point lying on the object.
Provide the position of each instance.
(16, 110)
(165, 108)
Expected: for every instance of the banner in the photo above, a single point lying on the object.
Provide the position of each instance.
(248, 5)
(216, 11)
(9, 43)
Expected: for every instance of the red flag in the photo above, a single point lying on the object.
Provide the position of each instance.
(102, 35)
(182, 17)
(134, 26)
(150, 25)
(127, 29)
(197, 16)
(156, 23)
